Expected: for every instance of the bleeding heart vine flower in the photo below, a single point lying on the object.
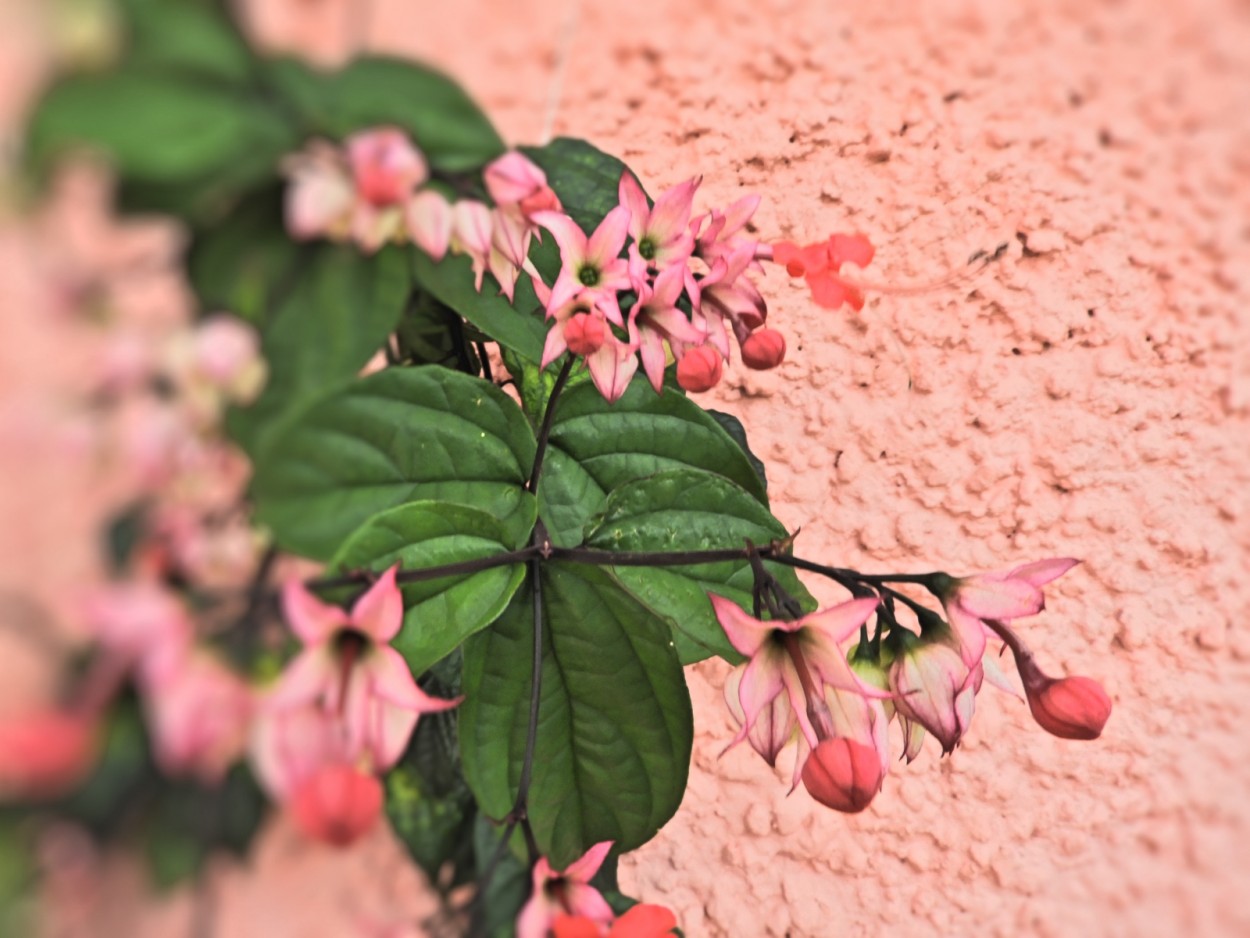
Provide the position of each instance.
(820, 264)
(348, 667)
(1002, 595)
(933, 687)
(565, 892)
(661, 233)
(590, 267)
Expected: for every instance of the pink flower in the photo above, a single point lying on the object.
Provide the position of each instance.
(792, 665)
(821, 264)
(580, 327)
(843, 774)
(935, 689)
(720, 238)
(655, 319)
(590, 267)
(515, 182)
(567, 892)
(199, 716)
(348, 667)
(385, 166)
(661, 233)
(45, 753)
(1002, 595)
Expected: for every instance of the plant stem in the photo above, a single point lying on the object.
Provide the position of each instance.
(542, 546)
(430, 573)
(643, 558)
(544, 433)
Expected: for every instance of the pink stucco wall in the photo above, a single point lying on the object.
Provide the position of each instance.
(1088, 396)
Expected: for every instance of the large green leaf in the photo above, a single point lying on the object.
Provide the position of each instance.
(597, 447)
(439, 614)
(443, 121)
(614, 731)
(682, 510)
(519, 327)
(401, 435)
(158, 127)
(340, 307)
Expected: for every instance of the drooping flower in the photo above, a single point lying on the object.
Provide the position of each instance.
(321, 194)
(565, 892)
(661, 233)
(933, 688)
(1069, 707)
(820, 264)
(1002, 595)
(773, 694)
(306, 759)
(348, 667)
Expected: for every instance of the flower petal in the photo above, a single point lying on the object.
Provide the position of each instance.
(1043, 571)
(309, 618)
(380, 611)
(606, 243)
(570, 238)
(309, 676)
(584, 868)
(745, 632)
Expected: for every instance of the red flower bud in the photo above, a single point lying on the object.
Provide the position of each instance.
(1070, 708)
(337, 805)
(764, 349)
(585, 334)
(46, 753)
(699, 369)
(843, 774)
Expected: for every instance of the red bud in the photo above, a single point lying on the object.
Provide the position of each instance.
(1070, 708)
(699, 369)
(338, 804)
(46, 753)
(764, 349)
(585, 334)
(843, 774)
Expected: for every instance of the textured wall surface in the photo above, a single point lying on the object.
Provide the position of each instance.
(1086, 394)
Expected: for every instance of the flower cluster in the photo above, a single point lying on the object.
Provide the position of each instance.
(799, 683)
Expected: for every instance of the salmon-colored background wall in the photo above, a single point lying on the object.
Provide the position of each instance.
(1086, 394)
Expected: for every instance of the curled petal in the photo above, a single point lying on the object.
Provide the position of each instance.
(745, 632)
(1041, 572)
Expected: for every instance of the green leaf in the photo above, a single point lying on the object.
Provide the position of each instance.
(186, 36)
(246, 262)
(733, 426)
(435, 830)
(158, 127)
(509, 885)
(612, 750)
(401, 435)
(597, 447)
(338, 313)
(520, 327)
(683, 510)
(439, 614)
(442, 120)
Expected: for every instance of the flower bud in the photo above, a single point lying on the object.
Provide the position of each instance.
(585, 334)
(1070, 708)
(428, 216)
(513, 179)
(764, 349)
(338, 804)
(699, 369)
(385, 165)
(843, 774)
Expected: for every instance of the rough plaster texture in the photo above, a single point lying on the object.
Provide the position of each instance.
(1088, 393)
